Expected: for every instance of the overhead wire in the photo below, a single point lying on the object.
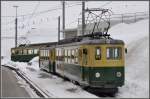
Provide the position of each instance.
(109, 2)
(46, 11)
(36, 7)
(41, 12)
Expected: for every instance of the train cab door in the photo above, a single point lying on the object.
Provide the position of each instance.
(52, 60)
(62, 60)
(84, 63)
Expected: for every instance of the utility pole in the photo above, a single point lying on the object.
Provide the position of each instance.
(58, 28)
(83, 17)
(16, 22)
(63, 19)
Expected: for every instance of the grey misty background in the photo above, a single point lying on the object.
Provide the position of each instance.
(40, 21)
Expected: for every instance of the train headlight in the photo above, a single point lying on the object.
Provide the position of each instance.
(118, 74)
(97, 75)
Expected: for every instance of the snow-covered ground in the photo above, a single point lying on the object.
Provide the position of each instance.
(136, 37)
(52, 85)
(23, 84)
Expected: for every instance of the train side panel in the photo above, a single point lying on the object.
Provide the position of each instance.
(47, 59)
(94, 68)
(67, 63)
(99, 70)
(44, 60)
(23, 54)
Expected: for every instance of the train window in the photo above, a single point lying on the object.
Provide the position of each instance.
(35, 51)
(25, 52)
(72, 54)
(20, 52)
(116, 53)
(48, 53)
(45, 52)
(57, 54)
(16, 52)
(76, 56)
(13, 51)
(42, 52)
(67, 56)
(113, 53)
(69, 53)
(97, 53)
(63, 55)
(65, 52)
(51, 54)
(30, 51)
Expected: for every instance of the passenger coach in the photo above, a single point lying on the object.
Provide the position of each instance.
(95, 63)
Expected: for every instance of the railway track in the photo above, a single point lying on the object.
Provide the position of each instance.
(42, 93)
(99, 94)
(32, 85)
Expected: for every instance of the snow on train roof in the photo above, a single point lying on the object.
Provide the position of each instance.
(89, 41)
(79, 42)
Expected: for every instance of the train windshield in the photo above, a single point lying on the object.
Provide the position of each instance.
(98, 53)
(113, 53)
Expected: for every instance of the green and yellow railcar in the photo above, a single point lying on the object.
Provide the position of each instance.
(47, 59)
(94, 63)
(24, 54)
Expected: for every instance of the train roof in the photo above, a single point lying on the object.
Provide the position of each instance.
(95, 38)
(94, 42)
(36, 45)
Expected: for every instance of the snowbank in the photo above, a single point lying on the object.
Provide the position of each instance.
(130, 32)
(52, 85)
(136, 37)
(34, 63)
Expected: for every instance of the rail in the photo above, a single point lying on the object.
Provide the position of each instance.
(36, 88)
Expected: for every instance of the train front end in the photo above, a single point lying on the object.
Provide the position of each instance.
(103, 64)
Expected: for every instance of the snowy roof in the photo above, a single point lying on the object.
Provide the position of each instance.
(70, 29)
(46, 44)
